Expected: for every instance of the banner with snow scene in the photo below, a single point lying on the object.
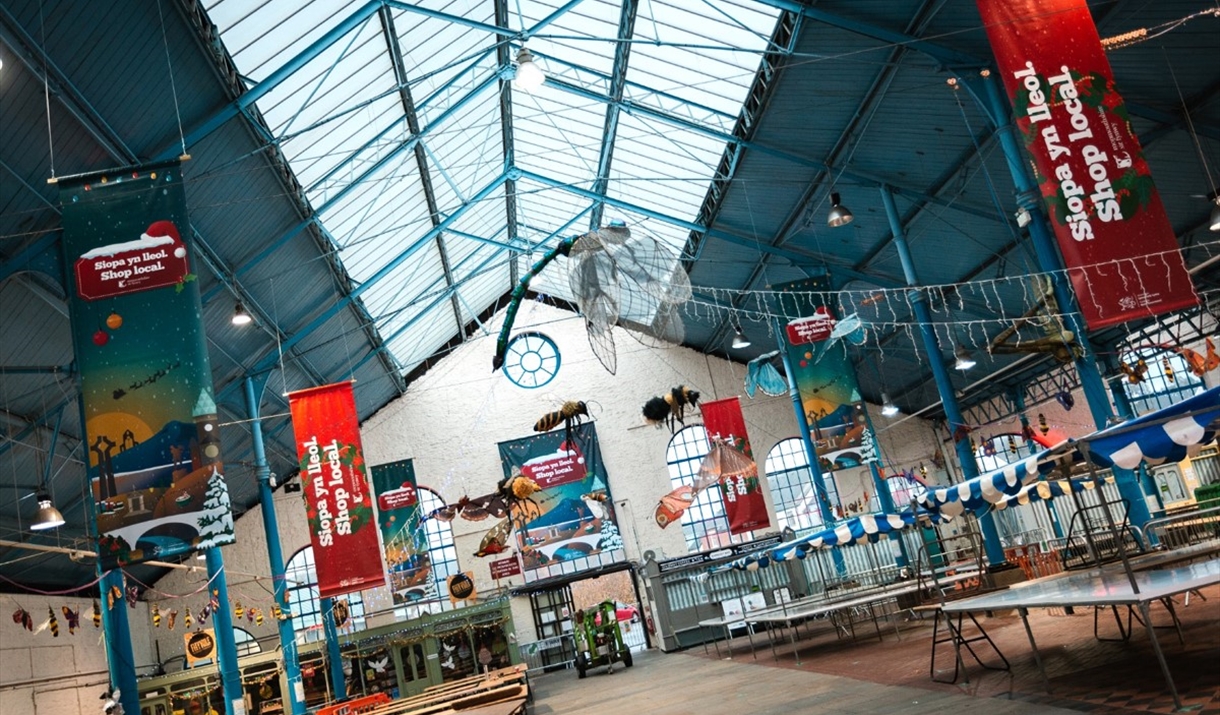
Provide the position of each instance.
(569, 524)
(404, 540)
(152, 436)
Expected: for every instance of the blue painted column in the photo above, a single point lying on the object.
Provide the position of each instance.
(222, 623)
(1049, 260)
(119, 657)
(883, 491)
(333, 655)
(811, 454)
(944, 386)
(294, 697)
(1122, 404)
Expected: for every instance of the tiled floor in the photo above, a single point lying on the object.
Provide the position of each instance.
(891, 676)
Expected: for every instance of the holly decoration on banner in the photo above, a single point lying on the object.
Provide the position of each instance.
(359, 512)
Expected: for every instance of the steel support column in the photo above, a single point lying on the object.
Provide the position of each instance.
(953, 412)
(333, 656)
(222, 624)
(275, 553)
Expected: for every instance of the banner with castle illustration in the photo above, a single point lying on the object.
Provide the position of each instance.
(569, 524)
(1119, 247)
(404, 540)
(338, 500)
(152, 435)
(817, 342)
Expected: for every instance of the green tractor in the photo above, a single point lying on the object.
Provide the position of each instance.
(599, 641)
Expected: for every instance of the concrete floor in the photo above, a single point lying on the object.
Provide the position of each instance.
(890, 676)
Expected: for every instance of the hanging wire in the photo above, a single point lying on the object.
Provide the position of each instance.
(172, 86)
(46, 86)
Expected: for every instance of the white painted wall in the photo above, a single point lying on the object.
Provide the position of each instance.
(43, 675)
(451, 418)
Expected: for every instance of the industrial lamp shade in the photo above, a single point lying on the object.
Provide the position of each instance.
(1214, 223)
(48, 516)
(888, 408)
(964, 361)
(740, 340)
(240, 316)
(839, 214)
(529, 75)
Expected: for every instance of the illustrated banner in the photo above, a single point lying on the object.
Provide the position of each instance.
(338, 501)
(570, 524)
(404, 541)
(744, 503)
(152, 436)
(1117, 242)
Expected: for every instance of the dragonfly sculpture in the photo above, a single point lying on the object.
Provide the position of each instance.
(617, 276)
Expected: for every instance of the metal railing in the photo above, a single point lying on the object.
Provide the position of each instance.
(549, 654)
(1185, 529)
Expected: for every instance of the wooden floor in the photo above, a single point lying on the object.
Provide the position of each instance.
(685, 684)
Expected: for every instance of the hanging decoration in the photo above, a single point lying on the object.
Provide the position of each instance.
(1135, 373)
(1200, 364)
(1065, 398)
(151, 425)
(97, 614)
(615, 274)
(556, 531)
(1042, 424)
(495, 541)
(1092, 175)
(23, 618)
(339, 503)
(670, 408)
(1167, 368)
(762, 374)
(52, 622)
(1052, 335)
(170, 618)
(568, 415)
(731, 459)
(73, 619)
(404, 540)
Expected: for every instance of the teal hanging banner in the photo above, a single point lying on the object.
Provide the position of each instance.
(568, 524)
(152, 435)
(817, 340)
(404, 542)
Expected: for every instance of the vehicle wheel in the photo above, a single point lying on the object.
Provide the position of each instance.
(580, 665)
(627, 659)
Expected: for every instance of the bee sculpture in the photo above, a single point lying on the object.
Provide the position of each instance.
(671, 407)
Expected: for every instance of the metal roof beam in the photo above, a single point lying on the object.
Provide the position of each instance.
(268, 361)
(421, 156)
(857, 177)
(618, 80)
(507, 146)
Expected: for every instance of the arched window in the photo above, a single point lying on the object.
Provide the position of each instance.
(1164, 379)
(792, 490)
(246, 643)
(302, 580)
(995, 452)
(704, 524)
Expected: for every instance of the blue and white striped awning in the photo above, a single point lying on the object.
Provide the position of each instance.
(869, 527)
(1160, 436)
(1050, 489)
(981, 493)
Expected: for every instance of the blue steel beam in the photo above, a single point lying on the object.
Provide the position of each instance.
(799, 258)
(405, 146)
(618, 79)
(507, 144)
(268, 360)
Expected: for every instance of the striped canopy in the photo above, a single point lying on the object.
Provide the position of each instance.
(1160, 436)
(1049, 489)
(867, 526)
(981, 493)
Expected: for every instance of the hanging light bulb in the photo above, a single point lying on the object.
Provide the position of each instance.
(240, 316)
(740, 340)
(529, 75)
(1214, 224)
(964, 361)
(839, 214)
(888, 408)
(48, 516)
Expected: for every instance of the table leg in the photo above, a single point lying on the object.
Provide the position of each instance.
(1160, 657)
(750, 637)
(1029, 633)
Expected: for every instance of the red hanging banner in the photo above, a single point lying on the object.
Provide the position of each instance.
(1119, 247)
(742, 491)
(338, 500)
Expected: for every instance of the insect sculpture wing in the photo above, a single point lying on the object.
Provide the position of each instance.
(673, 505)
(761, 374)
(495, 541)
(596, 504)
(444, 513)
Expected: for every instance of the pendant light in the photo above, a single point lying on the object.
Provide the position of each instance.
(888, 408)
(529, 75)
(48, 516)
(963, 359)
(240, 316)
(839, 214)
